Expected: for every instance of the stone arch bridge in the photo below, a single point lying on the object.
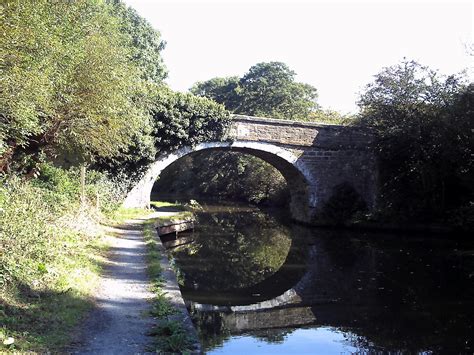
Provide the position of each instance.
(314, 159)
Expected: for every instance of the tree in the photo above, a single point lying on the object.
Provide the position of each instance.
(423, 123)
(221, 90)
(146, 42)
(69, 86)
(270, 89)
(183, 119)
(267, 89)
(177, 120)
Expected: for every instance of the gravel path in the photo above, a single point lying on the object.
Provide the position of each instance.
(119, 323)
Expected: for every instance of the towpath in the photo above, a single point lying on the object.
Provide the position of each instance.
(119, 323)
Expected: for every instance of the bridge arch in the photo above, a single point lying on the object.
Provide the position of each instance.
(294, 170)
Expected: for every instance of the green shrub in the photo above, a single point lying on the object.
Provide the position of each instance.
(171, 337)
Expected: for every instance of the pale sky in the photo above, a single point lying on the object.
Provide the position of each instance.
(336, 46)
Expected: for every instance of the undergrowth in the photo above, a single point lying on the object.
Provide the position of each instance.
(52, 249)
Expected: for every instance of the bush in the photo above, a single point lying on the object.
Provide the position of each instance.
(422, 123)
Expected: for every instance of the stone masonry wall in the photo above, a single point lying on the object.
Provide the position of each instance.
(304, 134)
(333, 154)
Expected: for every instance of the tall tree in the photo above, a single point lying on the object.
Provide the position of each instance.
(267, 89)
(270, 89)
(221, 90)
(69, 85)
(146, 42)
(423, 124)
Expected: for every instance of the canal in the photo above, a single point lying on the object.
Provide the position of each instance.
(256, 283)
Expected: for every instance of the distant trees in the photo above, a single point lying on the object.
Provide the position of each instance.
(223, 176)
(267, 89)
(423, 122)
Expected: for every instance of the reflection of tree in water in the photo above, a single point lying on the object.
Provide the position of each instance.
(381, 292)
(276, 336)
(404, 294)
(211, 329)
(233, 250)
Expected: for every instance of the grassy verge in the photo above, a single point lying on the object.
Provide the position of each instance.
(40, 317)
(52, 249)
(39, 314)
(170, 335)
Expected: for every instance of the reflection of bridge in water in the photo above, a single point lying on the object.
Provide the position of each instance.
(289, 309)
(392, 294)
(289, 297)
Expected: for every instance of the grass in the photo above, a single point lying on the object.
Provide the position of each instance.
(40, 312)
(53, 250)
(121, 214)
(160, 305)
(40, 315)
(170, 336)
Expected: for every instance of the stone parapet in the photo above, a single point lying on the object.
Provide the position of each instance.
(295, 133)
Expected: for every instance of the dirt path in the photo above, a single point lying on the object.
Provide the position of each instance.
(119, 323)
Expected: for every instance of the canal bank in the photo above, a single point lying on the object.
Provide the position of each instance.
(138, 305)
(176, 322)
(173, 331)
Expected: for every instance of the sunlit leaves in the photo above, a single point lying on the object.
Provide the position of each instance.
(182, 119)
(69, 84)
(267, 89)
(146, 44)
(422, 121)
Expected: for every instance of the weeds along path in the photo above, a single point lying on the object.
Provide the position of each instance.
(119, 323)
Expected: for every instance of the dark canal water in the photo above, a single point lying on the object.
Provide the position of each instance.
(258, 284)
